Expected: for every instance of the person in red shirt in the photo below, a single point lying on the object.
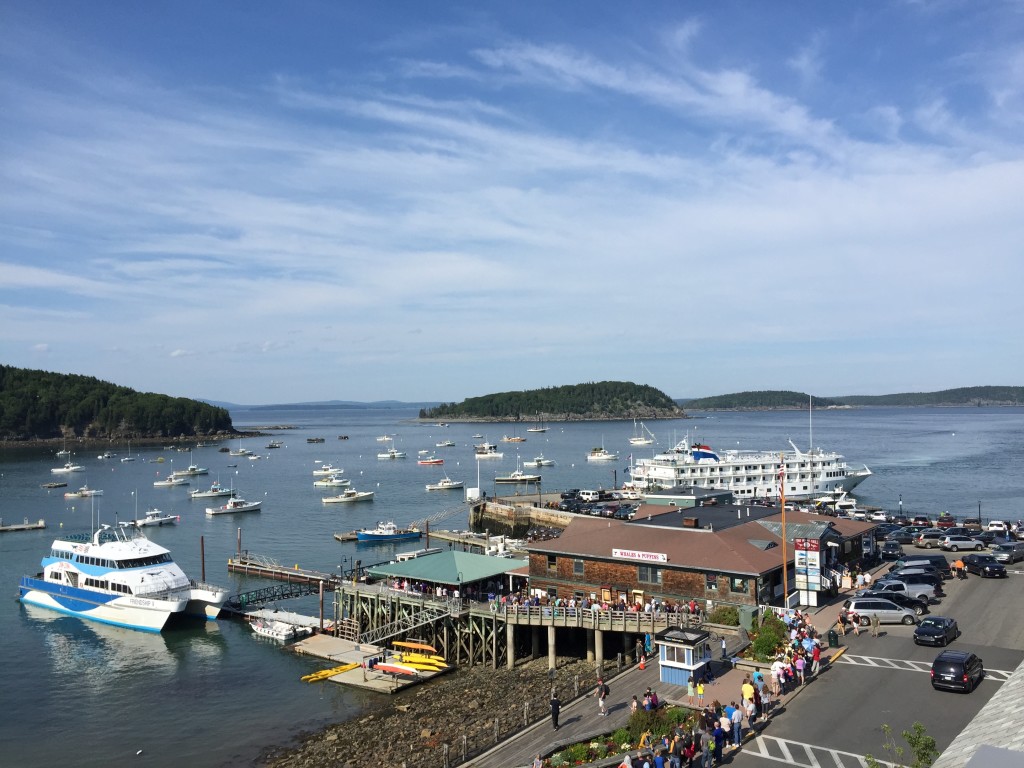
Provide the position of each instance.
(816, 660)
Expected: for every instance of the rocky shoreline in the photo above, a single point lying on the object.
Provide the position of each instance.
(410, 727)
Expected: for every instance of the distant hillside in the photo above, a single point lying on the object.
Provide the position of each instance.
(338, 405)
(597, 400)
(37, 405)
(761, 400)
(767, 400)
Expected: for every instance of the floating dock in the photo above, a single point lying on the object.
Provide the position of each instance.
(256, 565)
(343, 653)
(25, 526)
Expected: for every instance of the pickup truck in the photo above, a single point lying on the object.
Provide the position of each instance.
(945, 520)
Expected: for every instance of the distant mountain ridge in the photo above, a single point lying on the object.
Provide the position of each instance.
(783, 399)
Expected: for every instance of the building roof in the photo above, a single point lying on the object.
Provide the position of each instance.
(449, 567)
(745, 548)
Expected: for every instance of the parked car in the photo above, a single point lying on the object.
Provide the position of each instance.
(959, 530)
(945, 520)
(886, 611)
(989, 538)
(900, 536)
(923, 521)
(956, 543)
(924, 592)
(929, 539)
(926, 579)
(936, 630)
(985, 566)
(1010, 552)
(572, 493)
(919, 607)
(921, 569)
(997, 526)
(957, 671)
(879, 516)
(973, 524)
(939, 562)
(891, 550)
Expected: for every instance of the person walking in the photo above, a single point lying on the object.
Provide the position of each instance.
(724, 654)
(874, 625)
(601, 692)
(556, 706)
(855, 621)
(816, 659)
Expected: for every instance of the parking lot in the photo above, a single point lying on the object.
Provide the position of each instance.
(885, 680)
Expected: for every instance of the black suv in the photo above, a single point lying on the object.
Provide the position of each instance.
(957, 671)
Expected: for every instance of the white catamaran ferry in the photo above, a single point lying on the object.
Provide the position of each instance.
(748, 474)
(118, 577)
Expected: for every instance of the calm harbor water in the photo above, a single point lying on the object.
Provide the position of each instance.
(216, 695)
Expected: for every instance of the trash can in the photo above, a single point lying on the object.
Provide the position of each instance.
(833, 639)
(747, 613)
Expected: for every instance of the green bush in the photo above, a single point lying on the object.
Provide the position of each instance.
(771, 635)
(728, 615)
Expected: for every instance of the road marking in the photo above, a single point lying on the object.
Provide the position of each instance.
(778, 750)
(995, 675)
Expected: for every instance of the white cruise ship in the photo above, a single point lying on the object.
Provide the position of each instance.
(118, 576)
(748, 474)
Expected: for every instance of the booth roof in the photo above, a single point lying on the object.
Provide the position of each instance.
(449, 567)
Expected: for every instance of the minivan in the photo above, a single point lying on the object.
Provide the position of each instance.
(886, 611)
(1010, 552)
(590, 495)
(957, 671)
(939, 561)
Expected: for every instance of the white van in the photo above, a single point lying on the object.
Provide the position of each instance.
(590, 495)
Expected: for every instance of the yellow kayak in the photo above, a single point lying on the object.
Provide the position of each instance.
(323, 674)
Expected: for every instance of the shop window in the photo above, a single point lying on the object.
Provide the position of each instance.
(552, 564)
(577, 567)
(648, 574)
(738, 585)
(711, 582)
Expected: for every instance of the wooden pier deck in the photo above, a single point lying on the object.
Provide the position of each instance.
(25, 526)
(265, 567)
(339, 651)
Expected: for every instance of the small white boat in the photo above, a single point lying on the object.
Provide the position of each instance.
(332, 482)
(383, 438)
(539, 461)
(106, 455)
(240, 451)
(391, 453)
(349, 494)
(445, 444)
(275, 630)
(129, 457)
(154, 517)
(445, 484)
(327, 469)
(170, 482)
(235, 504)
(430, 459)
(68, 467)
(641, 435)
(216, 490)
(517, 476)
(600, 454)
(83, 492)
(275, 444)
(487, 451)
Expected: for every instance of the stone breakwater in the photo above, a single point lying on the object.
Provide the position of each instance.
(409, 728)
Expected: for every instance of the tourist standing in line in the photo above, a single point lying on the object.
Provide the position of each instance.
(737, 727)
(556, 705)
(816, 659)
(700, 692)
(690, 691)
(707, 752)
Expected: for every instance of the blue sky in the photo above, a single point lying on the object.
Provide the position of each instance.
(280, 202)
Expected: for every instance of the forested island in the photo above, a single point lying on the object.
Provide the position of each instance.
(40, 405)
(573, 402)
(775, 399)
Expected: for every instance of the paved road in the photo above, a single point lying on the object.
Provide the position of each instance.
(838, 718)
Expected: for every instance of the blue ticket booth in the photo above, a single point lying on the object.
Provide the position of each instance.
(682, 654)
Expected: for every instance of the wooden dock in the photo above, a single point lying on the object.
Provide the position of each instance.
(25, 526)
(339, 651)
(257, 565)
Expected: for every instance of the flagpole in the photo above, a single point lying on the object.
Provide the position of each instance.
(782, 500)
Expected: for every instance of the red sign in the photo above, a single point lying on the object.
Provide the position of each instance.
(810, 545)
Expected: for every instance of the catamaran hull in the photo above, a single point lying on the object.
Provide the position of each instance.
(139, 613)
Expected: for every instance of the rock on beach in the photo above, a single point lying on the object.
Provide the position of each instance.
(426, 716)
